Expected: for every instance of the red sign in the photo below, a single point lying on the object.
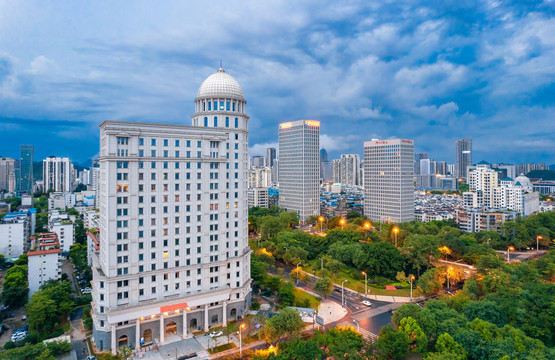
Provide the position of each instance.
(174, 307)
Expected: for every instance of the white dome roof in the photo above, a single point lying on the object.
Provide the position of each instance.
(220, 85)
(524, 181)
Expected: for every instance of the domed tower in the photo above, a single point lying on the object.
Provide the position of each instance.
(220, 103)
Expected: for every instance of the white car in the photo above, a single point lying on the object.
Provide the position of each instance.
(86, 290)
(214, 334)
(18, 336)
(367, 303)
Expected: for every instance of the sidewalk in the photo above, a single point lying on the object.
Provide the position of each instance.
(329, 310)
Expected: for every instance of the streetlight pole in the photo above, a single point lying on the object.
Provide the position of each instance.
(365, 284)
(342, 223)
(342, 293)
(395, 231)
(298, 273)
(411, 278)
(508, 253)
(241, 340)
(358, 325)
(448, 279)
(538, 243)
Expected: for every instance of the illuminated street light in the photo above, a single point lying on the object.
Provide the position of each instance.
(395, 231)
(365, 283)
(509, 249)
(538, 243)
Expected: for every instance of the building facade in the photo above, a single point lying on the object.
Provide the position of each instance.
(271, 156)
(173, 256)
(57, 174)
(258, 197)
(463, 157)
(389, 180)
(299, 167)
(25, 171)
(7, 174)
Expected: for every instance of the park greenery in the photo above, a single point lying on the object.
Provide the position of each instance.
(40, 351)
(346, 250)
(15, 287)
(49, 307)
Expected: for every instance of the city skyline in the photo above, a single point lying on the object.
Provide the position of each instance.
(429, 77)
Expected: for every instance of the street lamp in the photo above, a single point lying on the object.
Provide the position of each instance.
(358, 325)
(342, 292)
(509, 249)
(365, 284)
(321, 263)
(241, 340)
(321, 220)
(395, 231)
(411, 279)
(342, 222)
(538, 243)
(298, 273)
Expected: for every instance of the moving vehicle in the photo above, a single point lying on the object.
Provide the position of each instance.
(367, 303)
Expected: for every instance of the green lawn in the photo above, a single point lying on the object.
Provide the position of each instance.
(220, 348)
(301, 296)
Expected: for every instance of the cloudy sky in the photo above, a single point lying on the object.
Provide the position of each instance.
(432, 72)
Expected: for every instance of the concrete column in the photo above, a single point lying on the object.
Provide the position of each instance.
(224, 312)
(184, 324)
(206, 317)
(114, 343)
(162, 330)
(138, 334)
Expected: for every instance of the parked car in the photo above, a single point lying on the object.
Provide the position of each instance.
(24, 318)
(214, 334)
(18, 336)
(86, 290)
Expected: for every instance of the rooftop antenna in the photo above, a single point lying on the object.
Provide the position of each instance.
(221, 68)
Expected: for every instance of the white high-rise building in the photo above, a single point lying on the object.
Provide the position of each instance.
(7, 174)
(482, 181)
(299, 167)
(350, 169)
(44, 261)
(388, 180)
(57, 174)
(173, 256)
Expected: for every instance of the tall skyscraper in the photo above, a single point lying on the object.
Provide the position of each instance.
(323, 155)
(173, 256)
(388, 180)
(417, 158)
(299, 167)
(270, 157)
(57, 174)
(258, 161)
(463, 157)
(25, 179)
(7, 174)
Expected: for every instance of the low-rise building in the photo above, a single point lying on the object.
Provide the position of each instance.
(475, 221)
(61, 224)
(44, 261)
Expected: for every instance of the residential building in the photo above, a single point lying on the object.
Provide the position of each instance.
(260, 177)
(24, 176)
(7, 174)
(463, 157)
(57, 174)
(350, 173)
(482, 180)
(44, 261)
(476, 220)
(258, 197)
(60, 223)
(336, 170)
(15, 230)
(91, 218)
(299, 167)
(389, 180)
(173, 256)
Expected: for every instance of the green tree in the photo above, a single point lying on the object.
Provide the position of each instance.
(431, 280)
(41, 312)
(270, 226)
(487, 262)
(422, 250)
(286, 295)
(324, 286)
(290, 218)
(413, 331)
(393, 344)
(446, 344)
(15, 288)
(485, 310)
(287, 322)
